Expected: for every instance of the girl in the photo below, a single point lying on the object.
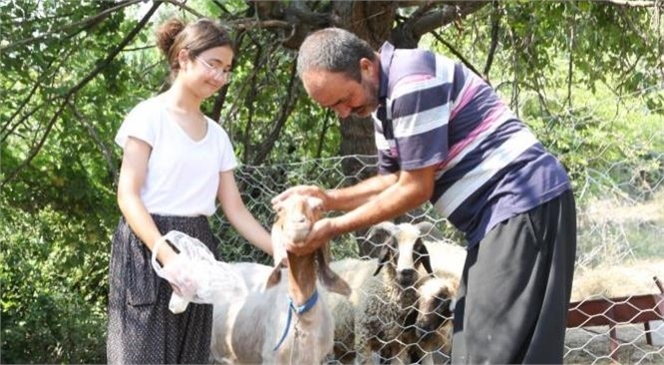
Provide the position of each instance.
(176, 160)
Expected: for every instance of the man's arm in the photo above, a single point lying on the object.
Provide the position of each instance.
(349, 198)
(343, 199)
(411, 190)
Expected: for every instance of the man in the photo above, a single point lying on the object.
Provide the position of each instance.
(445, 136)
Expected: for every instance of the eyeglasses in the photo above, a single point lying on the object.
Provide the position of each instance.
(215, 72)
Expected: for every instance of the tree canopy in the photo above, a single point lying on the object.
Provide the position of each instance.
(71, 70)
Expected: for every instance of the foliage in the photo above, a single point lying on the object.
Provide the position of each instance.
(53, 275)
(559, 84)
(583, 75)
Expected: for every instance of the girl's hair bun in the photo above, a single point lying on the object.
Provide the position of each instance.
(167, 32)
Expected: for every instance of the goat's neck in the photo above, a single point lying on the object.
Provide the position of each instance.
(301, 277)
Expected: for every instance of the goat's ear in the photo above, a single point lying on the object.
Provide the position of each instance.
(427, 228)
(330, 280)
(447, 307)
(385, 254)
(316, 204)
(279, 253)
(423, 256)
(274, 278)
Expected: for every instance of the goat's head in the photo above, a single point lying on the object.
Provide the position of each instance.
(404, 250)
(435, 304)
(295, 218)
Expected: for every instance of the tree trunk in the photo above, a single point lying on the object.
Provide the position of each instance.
(371, 21)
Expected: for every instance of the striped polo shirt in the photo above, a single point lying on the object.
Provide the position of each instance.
(489, 165)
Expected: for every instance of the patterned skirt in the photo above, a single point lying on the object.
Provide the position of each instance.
(141, 329)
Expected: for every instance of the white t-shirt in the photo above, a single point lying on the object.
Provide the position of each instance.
(183, 175)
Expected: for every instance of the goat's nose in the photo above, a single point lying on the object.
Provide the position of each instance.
(406, 277)
(298, 219)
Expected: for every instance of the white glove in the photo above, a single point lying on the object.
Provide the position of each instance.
(194, 274)
(177, 304)
(182, 276)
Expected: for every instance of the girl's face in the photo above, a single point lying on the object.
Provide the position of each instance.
(206, 73)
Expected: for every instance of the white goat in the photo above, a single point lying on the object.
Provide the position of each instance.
(261, 327)
(379, 304)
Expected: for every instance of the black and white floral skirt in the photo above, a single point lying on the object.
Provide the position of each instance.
(141, 329)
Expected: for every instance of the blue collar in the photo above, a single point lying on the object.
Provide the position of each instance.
(304, 308)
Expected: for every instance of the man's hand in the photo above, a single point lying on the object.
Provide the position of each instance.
(321, 233)
(308, 190)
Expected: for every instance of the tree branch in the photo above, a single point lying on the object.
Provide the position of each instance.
(85, 23)
(458, 54)
(50, 70)
(18, 110)
(221, 6)
(249, 101)
(570, 66)
(219, 101)
(634, 3)
(495, 32)
(182, 5)
(92, 132)
(321, 140)
(451, 12)
(280, 120)
(233, 110)
(246, 24)
(100, 66)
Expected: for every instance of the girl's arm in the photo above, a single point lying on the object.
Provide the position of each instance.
(132, 177)
(238, 215)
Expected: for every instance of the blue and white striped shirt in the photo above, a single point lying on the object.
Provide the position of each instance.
(489, 165)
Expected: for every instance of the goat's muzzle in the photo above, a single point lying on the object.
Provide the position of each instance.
(406, 277)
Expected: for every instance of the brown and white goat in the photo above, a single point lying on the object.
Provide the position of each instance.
(284, 321)
(429, 327)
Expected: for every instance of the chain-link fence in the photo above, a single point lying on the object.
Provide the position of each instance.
(618, 309)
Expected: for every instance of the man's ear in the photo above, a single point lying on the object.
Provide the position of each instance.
(367, 67)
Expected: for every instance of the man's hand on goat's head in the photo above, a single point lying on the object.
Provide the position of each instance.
(320, 233)
(309, 190)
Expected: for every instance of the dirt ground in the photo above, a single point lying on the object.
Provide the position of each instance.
(590, 345)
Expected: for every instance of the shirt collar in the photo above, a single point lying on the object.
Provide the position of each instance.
(386, 53)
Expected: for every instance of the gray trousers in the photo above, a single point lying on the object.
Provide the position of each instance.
(515, 290)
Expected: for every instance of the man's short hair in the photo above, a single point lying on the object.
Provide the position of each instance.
(334, 50)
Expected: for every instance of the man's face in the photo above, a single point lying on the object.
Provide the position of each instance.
(342, 94)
